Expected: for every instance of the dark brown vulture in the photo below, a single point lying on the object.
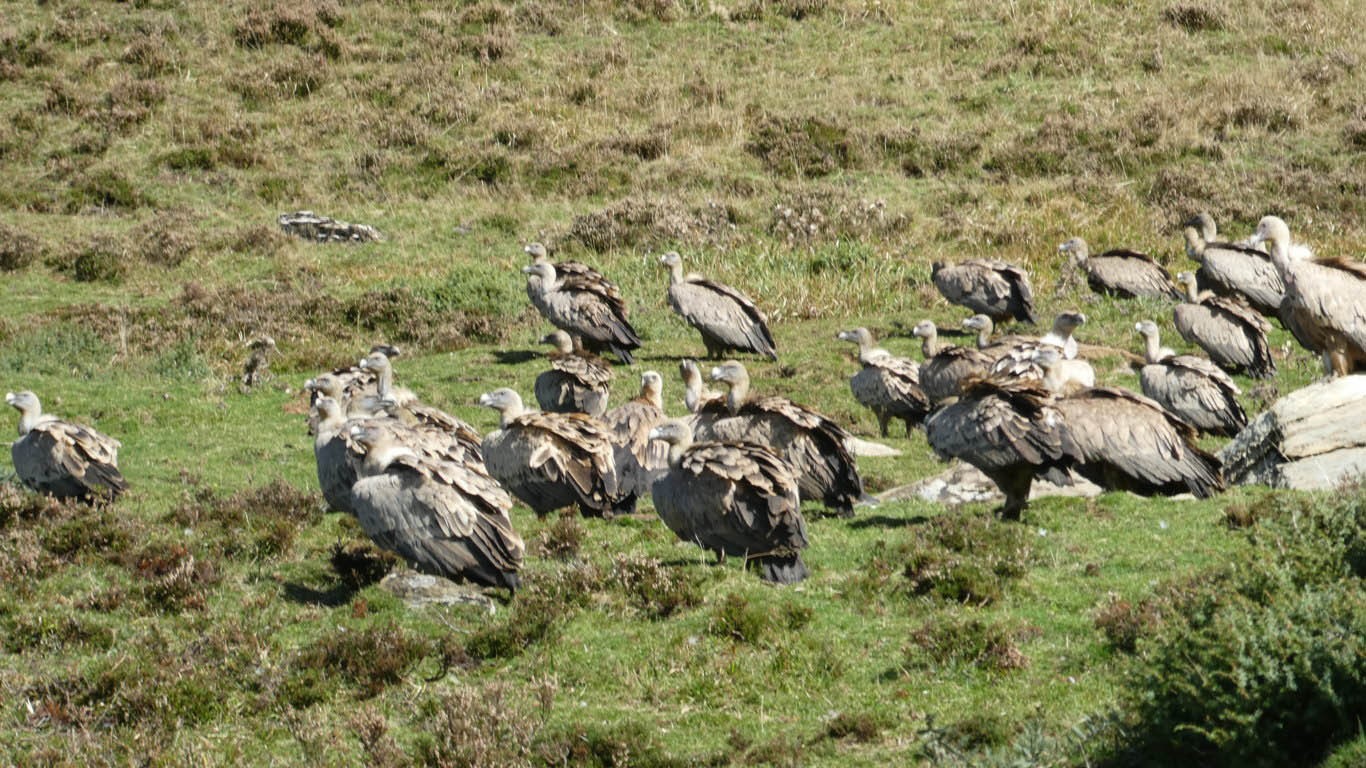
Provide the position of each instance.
(597, 319)
(992, 288)
(575, 382)
(727, 319)
(638, 459)
(1233, 270)
(945, 369)
(1191, 387)
(1228, 329)
(1127, 274)
(735, 499)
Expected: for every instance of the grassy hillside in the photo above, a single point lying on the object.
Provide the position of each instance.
(820, 154)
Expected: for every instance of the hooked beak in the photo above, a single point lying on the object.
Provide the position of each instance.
(486, 399)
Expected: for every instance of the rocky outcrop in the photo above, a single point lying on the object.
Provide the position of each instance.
(321, 229)
(1313, 438)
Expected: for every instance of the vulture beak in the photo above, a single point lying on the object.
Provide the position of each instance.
(1062, 248)
(1257, 237)
(1138, 327)
(486, 399)
(527, 269)
(716, 374)
(655, 434)
(310, 384)
(526, 249)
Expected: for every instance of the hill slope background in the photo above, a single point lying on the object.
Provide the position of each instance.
(820, 154)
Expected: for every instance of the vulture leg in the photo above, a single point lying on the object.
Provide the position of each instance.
(882, 418)
(1016, 490)
(720, 557)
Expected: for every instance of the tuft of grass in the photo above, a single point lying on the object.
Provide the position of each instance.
(652, 588)
(18, 249)
(371, 658)
(738, 619)
(1124, 623)
(970, 642)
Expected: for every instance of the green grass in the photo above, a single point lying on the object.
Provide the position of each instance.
(818, 153)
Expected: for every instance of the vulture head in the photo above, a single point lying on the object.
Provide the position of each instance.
(1273, 230)
(378, 445)
(537, 252)
(979, 323)
(860, 336)
(262, 344)
(671, 259)
(1188, 282)
(677, 434)
(652, 388)
(325, 418)
(688, 371)
(1154, 352)
(506, 401)
(375, 362)
(326, 384)
(1204, 225)
(561, 341)
(1076, 250)
(26, 403)
(327, 409)
(541, 270)
(1067, 322)
(1146, 328)
(925, 330)
(732, 373)
(389, 350)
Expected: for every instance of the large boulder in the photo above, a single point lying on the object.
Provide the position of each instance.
(1311, 439)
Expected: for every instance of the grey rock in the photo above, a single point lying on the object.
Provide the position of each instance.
(322, 229)
(965, 484)
(1312, 439)
(418, 590)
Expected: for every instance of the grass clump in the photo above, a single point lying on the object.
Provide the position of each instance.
(171, 579)
(740, 620)
(255, 522)
(653, 589)
(960, 558)
(802, 146)
(370, 657)
(542, 608)
(360, 564)
(970, 642)
(1124, 623)
(18, 249)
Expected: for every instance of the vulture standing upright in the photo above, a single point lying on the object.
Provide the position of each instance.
(63, 459)
(704, 405)
(1191, 387)
(1008, 429)
(886, 385)
(727, 319)
(1127, 274)
(551, 460)
(448, 519)
(575, 382)
(1325, 300)
(992, 288)
(596, 318)
(1233, 270)
(1227, 328)
(946, 369)
(638, 459)
(735, 499)
(814, 445)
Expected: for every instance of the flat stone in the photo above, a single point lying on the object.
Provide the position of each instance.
(1311, 439)
(308, 225)
(965, 484)
(418, 590)
(859, 447)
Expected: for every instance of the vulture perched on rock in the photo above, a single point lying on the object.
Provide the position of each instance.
(992, 288)
(1191, 387)
(596, 318)
(1325, 300)
(815, 446)
(638, 459)
(1120, 440)
(1015, 429)
(1228, 329)
(727, 319)
(63, 459)
(448, 519)
(575, 382)
(1127, 274)
(886, 385)
(551, 460)
(945, 369)
(346, 385)
(1233, 270)
(1007, 428)
(735, 499)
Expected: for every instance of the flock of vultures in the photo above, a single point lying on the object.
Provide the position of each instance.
(731, 475)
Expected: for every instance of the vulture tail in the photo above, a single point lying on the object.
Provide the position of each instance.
(782, 569)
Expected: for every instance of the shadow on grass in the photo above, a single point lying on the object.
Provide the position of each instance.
(883, 521)
(515, 356)
(335, 596)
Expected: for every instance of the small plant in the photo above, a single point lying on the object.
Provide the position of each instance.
(371, 657)
(171, 579)
(654, 590)
(18, 249)
(562, 539)
(965, 642)
(1124, 623)
(360, 564)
